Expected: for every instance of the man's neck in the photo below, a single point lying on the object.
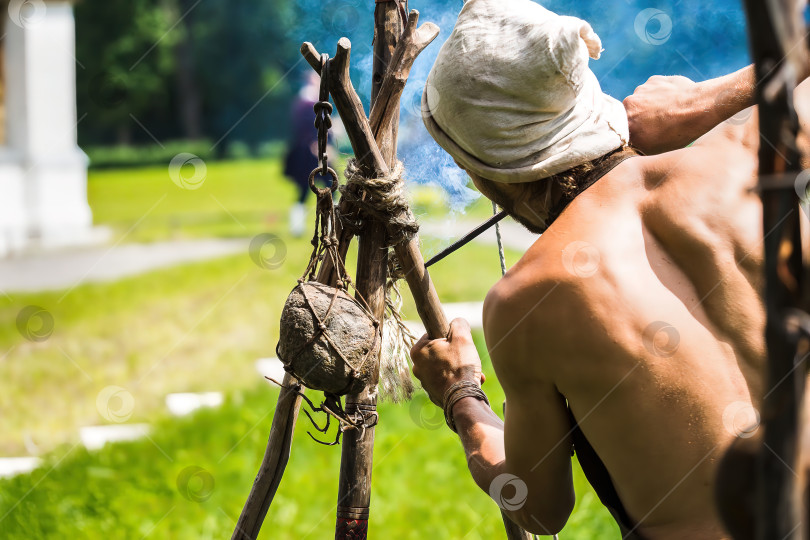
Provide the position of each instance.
(602, 166)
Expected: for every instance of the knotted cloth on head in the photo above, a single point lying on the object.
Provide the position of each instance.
(511, 96)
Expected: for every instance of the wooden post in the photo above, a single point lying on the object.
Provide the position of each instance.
(277, 454)
(779, 50)
(354, 488)
(273, 463)
(388, 26)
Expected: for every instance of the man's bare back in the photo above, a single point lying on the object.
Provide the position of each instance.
(639, 310)
(645, 317)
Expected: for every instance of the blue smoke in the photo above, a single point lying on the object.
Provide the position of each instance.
(699, 40)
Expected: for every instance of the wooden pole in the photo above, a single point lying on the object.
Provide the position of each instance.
(273, 463)
(388, 27)
(354, 487)
(277, 454)
(779, 50)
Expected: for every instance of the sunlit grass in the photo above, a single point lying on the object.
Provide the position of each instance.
(194, 327)
(235, 199)
(420, 485)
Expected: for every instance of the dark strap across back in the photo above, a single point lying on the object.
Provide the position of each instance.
(599, 478)
(600, 169)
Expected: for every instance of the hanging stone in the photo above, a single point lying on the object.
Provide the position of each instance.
(306, 352)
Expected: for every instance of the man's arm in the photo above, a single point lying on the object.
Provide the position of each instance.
(525, 466)
(743, 129)
(668, 113)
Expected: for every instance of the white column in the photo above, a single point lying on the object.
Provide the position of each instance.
(41, 121)
(13, 222)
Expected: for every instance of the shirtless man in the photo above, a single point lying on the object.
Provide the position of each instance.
(632, 329)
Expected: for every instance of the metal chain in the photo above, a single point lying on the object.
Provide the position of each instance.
(323, 121)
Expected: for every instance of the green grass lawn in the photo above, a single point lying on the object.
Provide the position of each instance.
(194, 327)
(191, 477)
(200, 327)
(236, 199)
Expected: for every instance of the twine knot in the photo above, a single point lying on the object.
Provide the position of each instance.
(384, 200)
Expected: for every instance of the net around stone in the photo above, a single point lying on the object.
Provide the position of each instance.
(313, 360)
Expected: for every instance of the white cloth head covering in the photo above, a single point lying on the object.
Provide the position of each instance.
(511, 96)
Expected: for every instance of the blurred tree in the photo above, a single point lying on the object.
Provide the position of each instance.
(188, 94)
(124, 57)
(226, 71)
(184, 69)
(242, 55)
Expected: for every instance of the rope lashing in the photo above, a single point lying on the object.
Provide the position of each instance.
(395, 381)
(382, 198)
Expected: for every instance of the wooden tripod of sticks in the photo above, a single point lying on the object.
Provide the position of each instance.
(397, 43)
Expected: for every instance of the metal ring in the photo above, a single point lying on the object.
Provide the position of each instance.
(318, 191)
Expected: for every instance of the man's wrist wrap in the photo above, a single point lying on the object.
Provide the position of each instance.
(459, 391)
